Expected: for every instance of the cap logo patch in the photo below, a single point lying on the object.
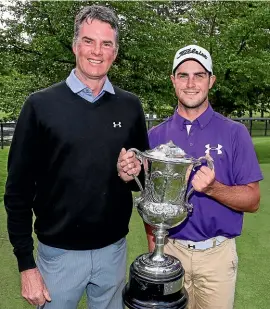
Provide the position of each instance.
(191, 51)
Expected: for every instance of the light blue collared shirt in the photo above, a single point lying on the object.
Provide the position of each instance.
(83, 91)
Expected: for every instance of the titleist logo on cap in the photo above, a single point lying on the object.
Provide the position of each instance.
(191, 51)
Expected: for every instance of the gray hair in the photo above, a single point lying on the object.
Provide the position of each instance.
(97, 12)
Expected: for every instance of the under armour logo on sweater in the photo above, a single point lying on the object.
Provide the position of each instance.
(218, 149)
(119, 124)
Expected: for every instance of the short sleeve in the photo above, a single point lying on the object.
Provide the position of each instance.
(246, 168)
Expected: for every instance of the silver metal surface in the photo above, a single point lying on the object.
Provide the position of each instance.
(158, 270)
(164, 204)
(173, 287)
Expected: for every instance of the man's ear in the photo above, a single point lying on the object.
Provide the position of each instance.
(74, 48)
(212, 81)
(116, 52)
(173, 80)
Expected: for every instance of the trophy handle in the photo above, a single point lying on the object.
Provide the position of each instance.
(198, 162)
(139, 156)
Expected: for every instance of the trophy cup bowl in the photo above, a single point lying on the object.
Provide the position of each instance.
(156, 280)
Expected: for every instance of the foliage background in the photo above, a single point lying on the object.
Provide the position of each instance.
(36, 39)
(35, 51)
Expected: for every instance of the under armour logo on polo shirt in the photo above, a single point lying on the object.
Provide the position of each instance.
(119, 124)
(218, 149)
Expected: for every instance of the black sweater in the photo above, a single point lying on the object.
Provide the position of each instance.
(62, 167)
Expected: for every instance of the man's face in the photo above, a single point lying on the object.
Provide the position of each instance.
(95, 49)
(192, 83)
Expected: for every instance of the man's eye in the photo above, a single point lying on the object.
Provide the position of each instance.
(107, 44)
(87, 41)
(200, 76)
(183, 76)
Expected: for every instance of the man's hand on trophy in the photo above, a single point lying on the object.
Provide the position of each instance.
(203, 180)
(128, 165)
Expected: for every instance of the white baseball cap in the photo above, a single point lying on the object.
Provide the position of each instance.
(193, 52)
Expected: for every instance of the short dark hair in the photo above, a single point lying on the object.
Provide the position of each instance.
(98, 12)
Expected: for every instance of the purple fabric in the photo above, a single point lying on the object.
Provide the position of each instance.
(229, 144)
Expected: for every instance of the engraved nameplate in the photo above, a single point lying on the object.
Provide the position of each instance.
(173, 287)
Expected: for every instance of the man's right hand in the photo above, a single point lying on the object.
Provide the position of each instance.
(128, 165)
(33, 287)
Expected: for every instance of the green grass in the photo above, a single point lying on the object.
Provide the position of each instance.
(253, 247)
(253, 250)
(262, 147)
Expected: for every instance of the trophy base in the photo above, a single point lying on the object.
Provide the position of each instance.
(153, 291)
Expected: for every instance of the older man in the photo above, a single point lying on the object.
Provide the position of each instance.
(62, 167)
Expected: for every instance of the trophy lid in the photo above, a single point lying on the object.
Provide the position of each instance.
(168, 153)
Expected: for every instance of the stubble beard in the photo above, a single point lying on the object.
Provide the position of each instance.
(193, 105)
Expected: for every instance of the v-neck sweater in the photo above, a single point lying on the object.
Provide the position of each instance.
(62, 166)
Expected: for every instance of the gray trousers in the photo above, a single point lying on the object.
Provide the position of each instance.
(68, 273)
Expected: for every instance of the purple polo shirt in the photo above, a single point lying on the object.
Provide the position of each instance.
(229, 144)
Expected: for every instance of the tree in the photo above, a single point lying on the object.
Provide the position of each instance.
(237, 35)
(38, 35)
(36, 40)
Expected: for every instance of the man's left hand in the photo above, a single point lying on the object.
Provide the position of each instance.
(203, 180)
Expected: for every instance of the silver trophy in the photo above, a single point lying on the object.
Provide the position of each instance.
(156, 279)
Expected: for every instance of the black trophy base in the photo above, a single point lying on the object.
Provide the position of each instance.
(143, 293)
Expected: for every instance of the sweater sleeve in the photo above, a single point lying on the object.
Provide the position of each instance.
(20, 186)
(140, 141)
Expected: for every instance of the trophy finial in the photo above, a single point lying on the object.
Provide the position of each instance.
(168, 150)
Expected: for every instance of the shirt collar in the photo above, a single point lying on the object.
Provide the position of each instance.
(205, 117)
(76, 85)
(202, 120)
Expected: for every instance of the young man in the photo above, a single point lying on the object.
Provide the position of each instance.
(62, 167)
(205, 242)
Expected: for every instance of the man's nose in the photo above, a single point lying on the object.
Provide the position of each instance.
(190, 82)
(97, 50)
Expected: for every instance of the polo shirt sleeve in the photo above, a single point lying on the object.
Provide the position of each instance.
(153, 138)
(246, 168)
